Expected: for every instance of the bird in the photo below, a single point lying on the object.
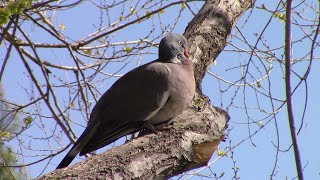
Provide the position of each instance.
(144, 98)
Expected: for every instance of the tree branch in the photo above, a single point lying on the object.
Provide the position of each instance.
(187, 145)
(288, 91)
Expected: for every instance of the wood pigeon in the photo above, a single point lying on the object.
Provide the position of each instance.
(146, 97)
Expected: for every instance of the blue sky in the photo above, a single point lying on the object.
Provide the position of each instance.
(254, 157)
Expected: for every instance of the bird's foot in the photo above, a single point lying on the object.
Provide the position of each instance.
(163, 127)
(155, 129)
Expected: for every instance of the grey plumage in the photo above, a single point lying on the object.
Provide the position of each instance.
(153, 93)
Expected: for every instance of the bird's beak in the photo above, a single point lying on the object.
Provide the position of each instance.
(186, 53)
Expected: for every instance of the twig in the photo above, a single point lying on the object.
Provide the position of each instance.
(288, 90)
(6, 59)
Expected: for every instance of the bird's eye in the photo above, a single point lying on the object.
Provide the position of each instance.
(180, 42)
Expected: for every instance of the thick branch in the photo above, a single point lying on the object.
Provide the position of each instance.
(195, 134)
(187, 145)
(207, 32)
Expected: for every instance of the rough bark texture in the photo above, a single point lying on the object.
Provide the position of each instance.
(156, 156)
(195, 134)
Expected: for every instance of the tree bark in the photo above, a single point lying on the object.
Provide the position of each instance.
(195, 134)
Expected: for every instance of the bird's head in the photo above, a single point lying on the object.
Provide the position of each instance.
(174, 48)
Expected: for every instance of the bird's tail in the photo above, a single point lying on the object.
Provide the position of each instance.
(69, 157)
(78, 146)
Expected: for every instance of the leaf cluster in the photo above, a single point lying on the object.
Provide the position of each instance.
(13, 8)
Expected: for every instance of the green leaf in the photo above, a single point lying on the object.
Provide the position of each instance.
(87, 51)
(5, 134)
(260, 123)
(27, 120)
(221, 175)
(161, 11)
(127, 49)
(19, 40)
(4, 16)
(62, 27)
(13, 7)
(199, 101)
(281, 16)
(149, 15)
(131, 10)
(221, 153)
(184, 5)
(259, 84)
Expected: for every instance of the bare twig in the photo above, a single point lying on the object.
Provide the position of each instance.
(288, 90)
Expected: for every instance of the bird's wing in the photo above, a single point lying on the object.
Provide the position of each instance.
(108, 137)
(132, 100)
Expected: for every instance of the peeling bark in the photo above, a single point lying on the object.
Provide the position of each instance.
(195, 134)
